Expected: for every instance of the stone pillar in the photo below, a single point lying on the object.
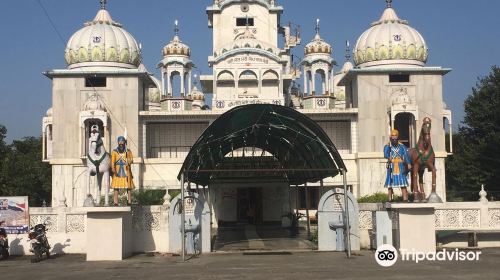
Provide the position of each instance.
(313, 82)
(109, 233)
(183, 85)
(325, 83)
(163, 93)
(305, 82)
(190, 82)
(416, 226)
(144, 140)
(169, 84)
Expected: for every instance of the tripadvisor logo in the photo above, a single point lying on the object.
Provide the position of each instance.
(386, 255)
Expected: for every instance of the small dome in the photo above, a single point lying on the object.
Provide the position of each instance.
(197, 94)
(318, 46)
(346, 67)
(102, 43)
(94, 103)
(176, 47)
(49, 112)
(390, 41)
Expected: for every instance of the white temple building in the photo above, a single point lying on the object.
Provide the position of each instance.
(387, 85)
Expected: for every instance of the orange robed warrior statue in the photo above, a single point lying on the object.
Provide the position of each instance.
(121, 163)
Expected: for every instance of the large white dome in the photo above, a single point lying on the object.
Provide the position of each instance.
(102, 43)
(390, 41)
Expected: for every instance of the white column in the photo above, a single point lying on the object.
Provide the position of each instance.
(44, 143)
(190, 82)
(163, 93)
(313, 82)
(183, 86)
(325, 83)
(306, 80)
(169, 84)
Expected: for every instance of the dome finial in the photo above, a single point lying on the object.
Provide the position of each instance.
(347, 51)
(389, 3)
(103, 4)
(176, 28)
(317, 26)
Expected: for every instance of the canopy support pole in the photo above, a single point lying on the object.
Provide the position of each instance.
(307, 211)
(346, 215)
(183, 219)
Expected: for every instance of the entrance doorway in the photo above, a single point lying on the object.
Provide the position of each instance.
(249, 205)
(405, 124)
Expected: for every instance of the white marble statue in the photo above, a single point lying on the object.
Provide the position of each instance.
(98, 164)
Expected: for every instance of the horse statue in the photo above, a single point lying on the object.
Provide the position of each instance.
(98, 164)
(422, 157)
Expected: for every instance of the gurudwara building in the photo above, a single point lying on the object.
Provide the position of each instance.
(387, 85)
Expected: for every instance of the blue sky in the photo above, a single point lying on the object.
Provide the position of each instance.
(462, 35)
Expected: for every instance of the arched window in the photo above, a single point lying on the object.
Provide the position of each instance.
(175, 81)
(270, 82)
(87, 129)
(248, 84)
(225, 85)
(319, 82)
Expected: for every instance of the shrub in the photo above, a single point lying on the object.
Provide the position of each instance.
(148, 197)
(381, 197)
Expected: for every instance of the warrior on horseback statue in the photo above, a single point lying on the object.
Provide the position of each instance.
(401, 161)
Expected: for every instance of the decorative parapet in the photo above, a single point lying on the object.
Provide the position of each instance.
(149, 218)
(74, 220)
(454, 218)
(49, 220)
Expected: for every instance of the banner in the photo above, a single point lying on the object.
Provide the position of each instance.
(14, 212)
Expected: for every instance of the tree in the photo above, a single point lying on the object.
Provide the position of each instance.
(477, 145)
(23, 173)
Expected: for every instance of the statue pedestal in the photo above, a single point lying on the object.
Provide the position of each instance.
(109, 233)
(416, 229)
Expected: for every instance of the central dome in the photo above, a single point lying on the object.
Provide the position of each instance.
(390, 41)
(102, 43)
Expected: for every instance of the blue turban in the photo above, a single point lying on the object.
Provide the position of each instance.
(121, 138)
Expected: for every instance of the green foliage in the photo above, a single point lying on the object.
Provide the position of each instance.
(22, 173)
(139, 197)
(148, 197)
(174, 193)
(381, 197)
(374, 198)
(477, 145)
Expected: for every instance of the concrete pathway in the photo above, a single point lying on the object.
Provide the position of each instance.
(251, 265)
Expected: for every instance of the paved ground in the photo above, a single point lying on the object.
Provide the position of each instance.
(245, 237)
(265, 265)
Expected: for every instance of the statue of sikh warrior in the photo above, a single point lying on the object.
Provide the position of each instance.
(121, 162)
(398, 165)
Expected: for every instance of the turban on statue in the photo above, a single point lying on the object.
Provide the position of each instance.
(394, 133)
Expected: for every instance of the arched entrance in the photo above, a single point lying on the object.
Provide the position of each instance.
(257, 149)
(405, 124)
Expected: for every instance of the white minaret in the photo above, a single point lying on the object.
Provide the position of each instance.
(176, 62)
(317, 60)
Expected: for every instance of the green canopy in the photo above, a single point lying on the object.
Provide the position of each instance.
(304, 152)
